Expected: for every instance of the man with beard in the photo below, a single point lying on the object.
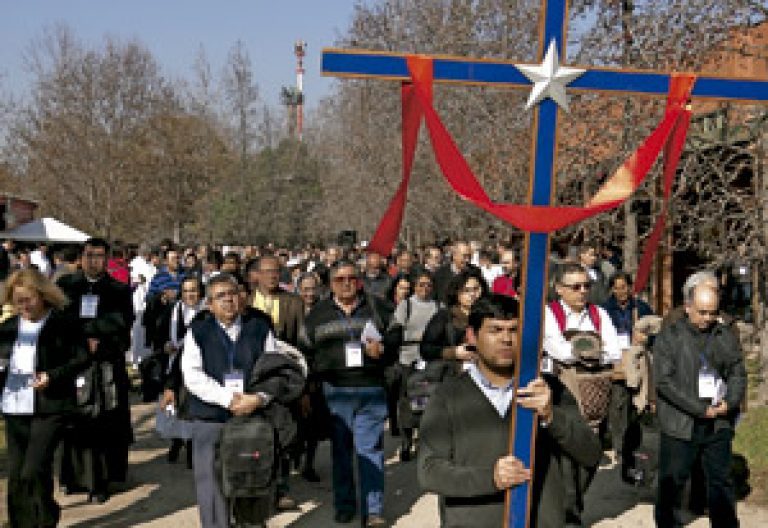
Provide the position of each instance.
(96, 452)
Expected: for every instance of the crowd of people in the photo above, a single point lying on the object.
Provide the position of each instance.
(343, 344)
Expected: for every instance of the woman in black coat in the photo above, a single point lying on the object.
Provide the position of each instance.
(40, 357)
(443, 338)
(181, 317)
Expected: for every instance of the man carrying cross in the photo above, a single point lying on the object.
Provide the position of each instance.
(463, 454)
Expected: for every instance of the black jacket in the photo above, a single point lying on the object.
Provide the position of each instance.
(281, 378)
(112, 327)
(156, 320)
(61, 353)
(676, 370)
(461, 438)
(443, 277)
(446, 329)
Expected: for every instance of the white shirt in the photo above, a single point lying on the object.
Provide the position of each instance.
(187, 314)
(556, 346)
(18, 394)
(500, 397)
(39, 259)
(490, 273)
(201, 384)
(141, 267)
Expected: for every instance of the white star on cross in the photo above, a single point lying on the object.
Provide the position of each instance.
(549, 78)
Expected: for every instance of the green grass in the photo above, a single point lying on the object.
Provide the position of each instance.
(750, 441)
(754, 376)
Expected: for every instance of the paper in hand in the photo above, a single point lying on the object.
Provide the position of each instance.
(370, 333)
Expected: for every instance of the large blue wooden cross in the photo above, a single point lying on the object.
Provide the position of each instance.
(392, 66)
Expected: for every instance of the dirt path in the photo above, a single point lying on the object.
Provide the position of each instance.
(161, 495)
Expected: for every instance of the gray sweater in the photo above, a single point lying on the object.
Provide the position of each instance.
(413, 325)
(462, 436)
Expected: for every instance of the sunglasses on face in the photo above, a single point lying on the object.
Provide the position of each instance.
(576, 286)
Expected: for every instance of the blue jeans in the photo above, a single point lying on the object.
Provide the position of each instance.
(357, 415)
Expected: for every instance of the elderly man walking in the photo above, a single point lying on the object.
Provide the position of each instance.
(700, 382)
(339, 339)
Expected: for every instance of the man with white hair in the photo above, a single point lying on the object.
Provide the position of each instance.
(700, 383)
(461, 256)
(703, 277)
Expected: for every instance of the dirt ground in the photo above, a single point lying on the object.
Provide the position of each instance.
(161, 495)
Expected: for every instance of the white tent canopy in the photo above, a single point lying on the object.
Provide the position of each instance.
(45, 230)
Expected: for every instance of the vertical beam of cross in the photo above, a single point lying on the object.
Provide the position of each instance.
(457, 70)
(543, 152)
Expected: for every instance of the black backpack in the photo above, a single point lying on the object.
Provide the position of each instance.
(246, 457)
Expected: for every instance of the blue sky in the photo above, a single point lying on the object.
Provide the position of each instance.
(174, 29)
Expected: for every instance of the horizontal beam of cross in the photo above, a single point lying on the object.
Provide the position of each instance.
(502, 73)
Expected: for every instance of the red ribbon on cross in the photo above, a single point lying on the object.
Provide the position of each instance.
(668, 136)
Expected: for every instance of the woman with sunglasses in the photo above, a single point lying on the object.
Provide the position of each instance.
(410, 319)
(41, 354)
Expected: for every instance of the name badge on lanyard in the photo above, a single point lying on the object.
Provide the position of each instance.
(707, 384)
(711, 386)
(89, 305)
(624, 341)
(234, 381)
(353, 352)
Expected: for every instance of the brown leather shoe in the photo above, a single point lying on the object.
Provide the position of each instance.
(286, 503)
(375, 521)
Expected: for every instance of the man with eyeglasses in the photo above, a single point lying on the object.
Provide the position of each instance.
(219, 354)
(96, 452)
(700, 384)
(570, 314)
(341, 337)
(572, 285)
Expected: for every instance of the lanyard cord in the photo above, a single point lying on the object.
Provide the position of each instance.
(229, 345)
(703, 355)
(347, 323)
